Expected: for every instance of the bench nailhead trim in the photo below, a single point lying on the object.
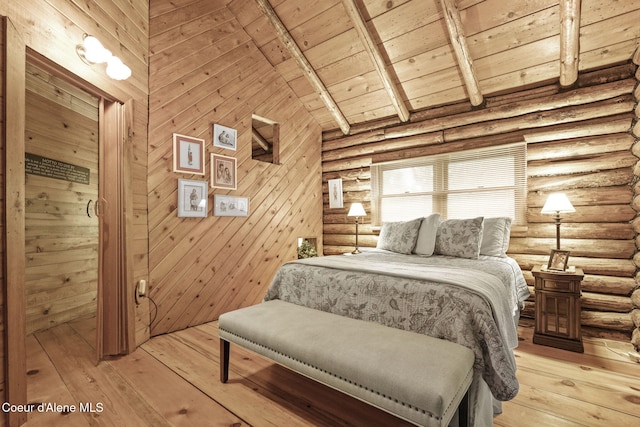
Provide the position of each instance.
(419, 410)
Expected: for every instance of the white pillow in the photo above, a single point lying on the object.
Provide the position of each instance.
(426, 242)
(399, 236)
(495, 236)
(460, 237)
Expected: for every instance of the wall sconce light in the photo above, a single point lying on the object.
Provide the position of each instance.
(557, 203)
(117, 70)
(91, 51)
(356, 210)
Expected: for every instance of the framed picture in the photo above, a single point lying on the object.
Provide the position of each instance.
(224, 137)
(230, 205)
(335, 193)
(188, 154)
(192, 198)
(558, 260)
(223, 172)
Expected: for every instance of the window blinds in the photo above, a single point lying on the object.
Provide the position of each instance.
(481, 182)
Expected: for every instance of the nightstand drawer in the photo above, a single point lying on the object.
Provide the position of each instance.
(558, 285)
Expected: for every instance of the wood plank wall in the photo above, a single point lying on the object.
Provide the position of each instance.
(53, 28)
(61, 239)
(579, 142)
(204, 69)
(3, 283)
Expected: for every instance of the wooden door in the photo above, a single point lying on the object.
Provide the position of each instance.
(115, 310)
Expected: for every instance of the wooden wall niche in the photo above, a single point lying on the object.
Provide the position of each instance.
(201, 267)
(61, 227)
(579, 142)
(265, 139)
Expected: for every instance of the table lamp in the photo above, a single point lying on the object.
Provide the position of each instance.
(356, 210)
(557, 203)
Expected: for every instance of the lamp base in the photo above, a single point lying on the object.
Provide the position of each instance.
(356, 251)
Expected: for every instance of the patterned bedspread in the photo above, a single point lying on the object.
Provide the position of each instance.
(470, 302)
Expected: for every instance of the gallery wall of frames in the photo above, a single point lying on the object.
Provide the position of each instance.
(193, 194)
(221, 221)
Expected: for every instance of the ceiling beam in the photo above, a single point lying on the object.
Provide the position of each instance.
(303, 63)
(259, 139)
(460, 48)
(569, 41)
(376, 57)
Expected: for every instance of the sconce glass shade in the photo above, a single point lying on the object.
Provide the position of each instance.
(117, 70)
(92, 51)
(557, 203)
(356, 210)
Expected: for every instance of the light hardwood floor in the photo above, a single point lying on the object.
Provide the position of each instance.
(173, 380)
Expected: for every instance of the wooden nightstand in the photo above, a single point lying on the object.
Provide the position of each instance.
(558, 309)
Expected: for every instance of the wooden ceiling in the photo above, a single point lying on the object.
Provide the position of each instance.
(354, 61)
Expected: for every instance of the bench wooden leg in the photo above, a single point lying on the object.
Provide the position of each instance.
(463, 411)
(224, 360)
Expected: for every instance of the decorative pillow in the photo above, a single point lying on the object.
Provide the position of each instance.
(495, 236)
(399, 236)
(460, 237)
(426, 242)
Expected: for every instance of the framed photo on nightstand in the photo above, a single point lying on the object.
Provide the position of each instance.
(558, 260)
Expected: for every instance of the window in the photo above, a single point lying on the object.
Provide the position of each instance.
(484, 182)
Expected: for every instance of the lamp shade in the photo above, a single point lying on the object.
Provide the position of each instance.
(356, 210)
(557, 203)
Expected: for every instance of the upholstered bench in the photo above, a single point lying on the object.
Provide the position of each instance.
(421, 379)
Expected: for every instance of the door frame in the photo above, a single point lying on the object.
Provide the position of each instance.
(115, 310)
(13, 238)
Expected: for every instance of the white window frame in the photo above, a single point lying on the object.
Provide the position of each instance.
(440, 194)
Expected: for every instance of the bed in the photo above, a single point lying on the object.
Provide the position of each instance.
(448, 279)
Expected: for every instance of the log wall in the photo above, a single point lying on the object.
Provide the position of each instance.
(635, 297)
(579, 142)
(205, 69)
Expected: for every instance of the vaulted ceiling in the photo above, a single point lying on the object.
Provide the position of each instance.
(355, 61)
